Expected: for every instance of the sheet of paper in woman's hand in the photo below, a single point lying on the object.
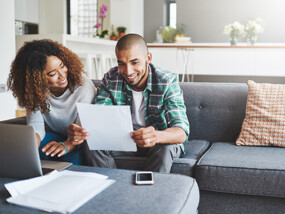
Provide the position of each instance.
(109, 127)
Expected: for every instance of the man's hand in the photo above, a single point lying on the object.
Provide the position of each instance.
(77, 134)
(145, 137)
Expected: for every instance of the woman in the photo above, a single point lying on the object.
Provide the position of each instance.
(47, 79)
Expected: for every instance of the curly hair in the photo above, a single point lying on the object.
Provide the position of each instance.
(27, 80)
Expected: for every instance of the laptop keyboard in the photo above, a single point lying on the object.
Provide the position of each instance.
(46, 170)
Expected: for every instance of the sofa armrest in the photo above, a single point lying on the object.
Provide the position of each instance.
(18, 120)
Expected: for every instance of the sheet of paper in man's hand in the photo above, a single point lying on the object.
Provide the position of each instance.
(109, 127)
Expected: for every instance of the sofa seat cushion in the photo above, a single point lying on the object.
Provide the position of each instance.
(184, 165)
(229, 168)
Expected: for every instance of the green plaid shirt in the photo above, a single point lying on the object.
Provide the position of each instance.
(163, 98)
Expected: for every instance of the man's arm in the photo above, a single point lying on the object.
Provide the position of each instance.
(175, 110)
(104, 96)
(175, 114)
(148, 137)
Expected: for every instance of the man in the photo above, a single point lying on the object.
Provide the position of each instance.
(157, 106)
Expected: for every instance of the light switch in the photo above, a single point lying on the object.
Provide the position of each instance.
(2, 88)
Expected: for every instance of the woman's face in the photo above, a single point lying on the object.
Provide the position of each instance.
(56, 74)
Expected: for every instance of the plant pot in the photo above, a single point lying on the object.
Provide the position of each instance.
(233, 40)
(120, 35)
(251, 39)
(113, 38)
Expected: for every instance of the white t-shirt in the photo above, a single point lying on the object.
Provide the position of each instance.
(138, 110)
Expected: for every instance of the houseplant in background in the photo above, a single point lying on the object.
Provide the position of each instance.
(113, 36)
(252, 28)
(181, 34)
(121, 31)
(234, 31)
(180, 28)
(168, 34)
(102, 15)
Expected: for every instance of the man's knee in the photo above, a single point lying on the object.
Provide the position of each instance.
(100, 158)
(167, 150)
(160, 157)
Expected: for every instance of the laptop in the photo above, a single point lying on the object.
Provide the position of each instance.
(19, 156)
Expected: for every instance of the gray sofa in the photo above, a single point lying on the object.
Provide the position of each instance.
(231, 179)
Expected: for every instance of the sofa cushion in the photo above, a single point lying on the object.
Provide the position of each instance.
(264, 124)
(229, 168)
(215, 110)
(184, 165)
(226, 203)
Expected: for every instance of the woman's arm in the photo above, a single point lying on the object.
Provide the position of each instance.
(58, 148)
(38, 139)
(36, 120)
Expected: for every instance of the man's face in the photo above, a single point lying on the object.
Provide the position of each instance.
(133, 65)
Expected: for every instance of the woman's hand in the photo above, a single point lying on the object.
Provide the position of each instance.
(54, 148)
(76, 134)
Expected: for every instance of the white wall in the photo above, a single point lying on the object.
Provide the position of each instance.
(52, 17)
(128, 13)
(7, 54)
(27, 10)
(154, 17)
(52, 14)
(205, 19)
(137, 14)
(7, 38)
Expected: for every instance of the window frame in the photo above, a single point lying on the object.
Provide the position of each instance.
(168, 3)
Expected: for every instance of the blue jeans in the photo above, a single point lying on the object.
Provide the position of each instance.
(76, 156)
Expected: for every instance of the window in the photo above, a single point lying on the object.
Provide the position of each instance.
(171, 13)
(82, 16)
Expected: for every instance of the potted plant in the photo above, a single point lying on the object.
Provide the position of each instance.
(102, 15)
(234, 30)
(252, 28)
(168, 34)
(121, 31)
(113, 36)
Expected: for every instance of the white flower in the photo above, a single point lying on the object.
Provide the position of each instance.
(228, 29)
(234, 29)
(254, 27)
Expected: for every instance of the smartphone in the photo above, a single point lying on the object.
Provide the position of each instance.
(144, 177)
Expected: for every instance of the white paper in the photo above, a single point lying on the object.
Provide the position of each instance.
(109, 127)
(21, 187)
(62, 192)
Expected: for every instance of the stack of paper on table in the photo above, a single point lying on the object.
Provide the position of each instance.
(61, 192)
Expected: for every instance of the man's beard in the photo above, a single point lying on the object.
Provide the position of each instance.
(142, 76)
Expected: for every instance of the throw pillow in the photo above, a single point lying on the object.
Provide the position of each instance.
(264, 123)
